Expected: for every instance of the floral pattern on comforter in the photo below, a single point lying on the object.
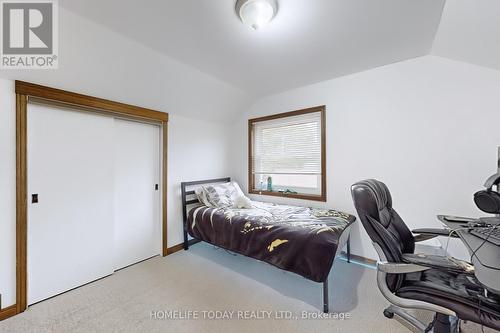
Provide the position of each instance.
(302, 240)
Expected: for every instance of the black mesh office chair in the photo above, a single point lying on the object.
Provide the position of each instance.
(440, 284)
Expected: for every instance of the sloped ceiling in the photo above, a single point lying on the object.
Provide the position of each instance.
(308, 41)
(470, 32)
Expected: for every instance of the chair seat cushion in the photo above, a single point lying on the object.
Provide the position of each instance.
(460, 292)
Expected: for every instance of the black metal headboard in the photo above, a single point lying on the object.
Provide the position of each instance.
(186, 200)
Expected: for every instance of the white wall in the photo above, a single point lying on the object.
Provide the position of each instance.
(427, 127)
(99, 62)
(197, 150)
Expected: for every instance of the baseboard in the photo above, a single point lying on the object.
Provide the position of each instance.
(359, 259)
(8, 312)
(180, 246)
(175, 248)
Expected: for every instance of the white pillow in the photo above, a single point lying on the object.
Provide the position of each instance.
(222, 195)
(202, 196)
(242, 201)
(239, 192)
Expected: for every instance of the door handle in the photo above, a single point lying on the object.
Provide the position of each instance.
(156, 187)
(34, 198)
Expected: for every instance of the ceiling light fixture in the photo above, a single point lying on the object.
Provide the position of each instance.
(256, 13)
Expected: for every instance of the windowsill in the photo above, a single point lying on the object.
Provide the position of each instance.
(313, 197)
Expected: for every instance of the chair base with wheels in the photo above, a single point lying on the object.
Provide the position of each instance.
(440, 323)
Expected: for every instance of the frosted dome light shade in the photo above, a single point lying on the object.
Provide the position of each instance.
(257, 13)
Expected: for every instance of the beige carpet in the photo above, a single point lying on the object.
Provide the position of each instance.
(209, 279)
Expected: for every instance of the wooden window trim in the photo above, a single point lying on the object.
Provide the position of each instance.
(251, 181)
(26, 90)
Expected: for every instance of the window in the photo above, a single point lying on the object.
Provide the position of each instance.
(290, 148)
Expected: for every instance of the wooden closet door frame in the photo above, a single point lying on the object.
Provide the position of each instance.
(25, 91)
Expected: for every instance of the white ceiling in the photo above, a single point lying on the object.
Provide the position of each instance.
(307, 42)
(470, 31)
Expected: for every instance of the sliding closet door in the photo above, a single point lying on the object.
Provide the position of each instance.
(70, 203)
(137, 222)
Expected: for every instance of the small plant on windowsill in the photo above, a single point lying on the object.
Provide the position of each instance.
(269, 188)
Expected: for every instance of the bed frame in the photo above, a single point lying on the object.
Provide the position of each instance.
(189, 198)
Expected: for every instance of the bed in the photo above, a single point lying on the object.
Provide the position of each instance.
(297, 239)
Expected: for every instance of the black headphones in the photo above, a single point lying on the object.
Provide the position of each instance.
(488, 200)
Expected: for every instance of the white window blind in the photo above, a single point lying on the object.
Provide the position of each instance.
(289, 150)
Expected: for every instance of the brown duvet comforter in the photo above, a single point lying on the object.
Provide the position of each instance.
(296, 239)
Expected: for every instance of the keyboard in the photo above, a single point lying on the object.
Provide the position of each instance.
(486, 233)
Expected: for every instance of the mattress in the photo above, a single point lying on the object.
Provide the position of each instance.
(301, 240)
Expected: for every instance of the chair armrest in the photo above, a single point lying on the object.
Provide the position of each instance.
(399, 267)
(438, 262)
(429, 233)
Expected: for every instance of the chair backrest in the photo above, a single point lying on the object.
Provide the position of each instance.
(373, 203)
